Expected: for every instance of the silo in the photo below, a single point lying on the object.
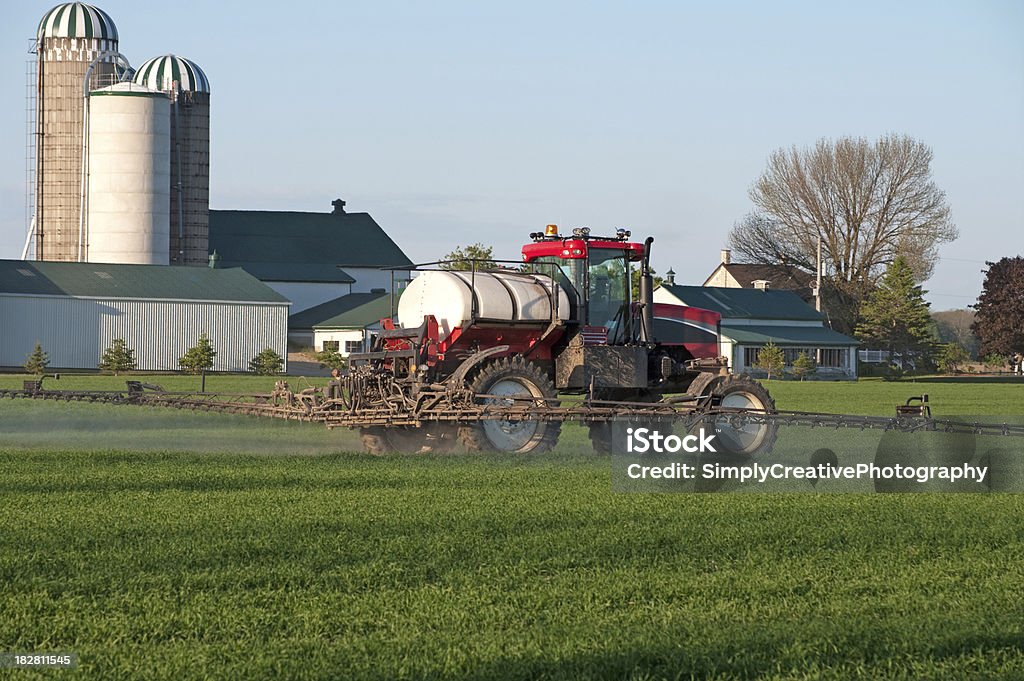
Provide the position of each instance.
(69, 38)
(190, 153)
(129, 175)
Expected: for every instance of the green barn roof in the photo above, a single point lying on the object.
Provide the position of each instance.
(293, 246)
(160, 282)
(787, 335)
(746, 303)
(354, 311)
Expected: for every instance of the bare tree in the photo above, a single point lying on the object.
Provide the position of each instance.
(869, 202)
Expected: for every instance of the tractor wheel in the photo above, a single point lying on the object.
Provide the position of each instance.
(511, 377)
(601, 431)
(747, 440)
(409, 439)
(375, 441)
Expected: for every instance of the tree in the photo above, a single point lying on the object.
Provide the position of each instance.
(331, 359)
(869, 201)
(118, 357)
(460, 258)
(895, 317)
(951, 357)
(770, 358)
(635, 281)
(804, 365)
(199, 357)
(266, 363)
(954, 326)
(37, 361)
(999, 323)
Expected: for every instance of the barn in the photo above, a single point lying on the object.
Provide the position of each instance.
(76, 310)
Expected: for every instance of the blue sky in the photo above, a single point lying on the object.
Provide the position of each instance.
(455, 122)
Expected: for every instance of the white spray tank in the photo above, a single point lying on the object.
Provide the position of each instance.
(500, 297)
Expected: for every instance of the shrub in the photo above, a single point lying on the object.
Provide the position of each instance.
(37, 362)
(266, 363)
(804, 365)
(771, 359)
(331, 359)
(199, 357)
(951, 357)
(118, 357)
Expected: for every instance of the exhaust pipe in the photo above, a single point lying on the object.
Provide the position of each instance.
(647, 295)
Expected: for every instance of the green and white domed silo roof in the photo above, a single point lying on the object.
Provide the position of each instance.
(160, 73)
(77, 20)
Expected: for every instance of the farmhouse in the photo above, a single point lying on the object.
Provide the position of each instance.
(753, 317)
(309, 258)
(347, 324)
(731, 274)
(76, 310)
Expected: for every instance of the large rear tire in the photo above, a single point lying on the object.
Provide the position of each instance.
(512, 377)
(736, 439)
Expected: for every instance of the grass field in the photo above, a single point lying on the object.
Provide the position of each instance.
(167, 545)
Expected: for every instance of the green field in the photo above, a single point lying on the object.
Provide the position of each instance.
(161, 544)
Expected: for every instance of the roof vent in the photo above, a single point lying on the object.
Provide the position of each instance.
(103, 275)
(339, 206)
(26, 273)
(378, 290)
(761, 284)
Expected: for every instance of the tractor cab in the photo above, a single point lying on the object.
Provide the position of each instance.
(595, 273)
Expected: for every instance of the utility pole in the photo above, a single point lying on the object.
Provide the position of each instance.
(817, 288)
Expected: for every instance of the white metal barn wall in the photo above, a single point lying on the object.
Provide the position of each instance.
(75, 331)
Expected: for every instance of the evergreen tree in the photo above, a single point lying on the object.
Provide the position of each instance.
(266, 363)
(804, 365)
(951, 357)
(331, 359)
(770, 358)
(118, 357)
(199, 357)
(895, 317)
(999, 323)
(37, 362)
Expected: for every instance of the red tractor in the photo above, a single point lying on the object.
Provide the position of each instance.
(563, 322)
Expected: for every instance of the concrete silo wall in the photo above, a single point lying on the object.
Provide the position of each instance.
(129, 176)
(62, 66)
(190, 179)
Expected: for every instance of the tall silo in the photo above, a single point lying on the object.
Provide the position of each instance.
(190, 153)
(129, 175)
(70, 37)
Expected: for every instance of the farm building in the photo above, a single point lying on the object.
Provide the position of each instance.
(76, 310)
(730, 274)
(346, 324)
(753, 317)
(309, 258)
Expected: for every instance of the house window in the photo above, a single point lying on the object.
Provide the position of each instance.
(833, 357)
(331, 345)
(353, 346)
(750, 356)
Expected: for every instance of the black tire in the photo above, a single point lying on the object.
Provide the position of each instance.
(435, 437)
(512, 376)
(751, 439)
(601, 431)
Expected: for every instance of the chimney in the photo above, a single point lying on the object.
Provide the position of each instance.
(339, 207)
(670, 277)
(761, 284)
(726, 256)
(214, 260)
